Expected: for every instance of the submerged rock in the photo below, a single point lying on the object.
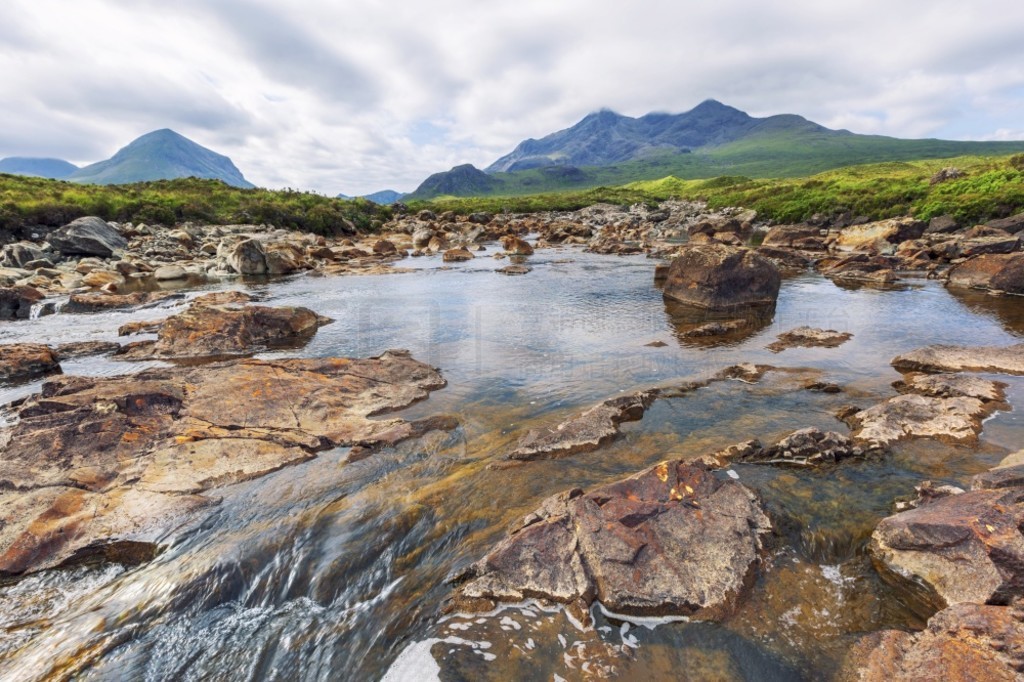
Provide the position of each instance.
(962, 642)
(21, 361)
(808, 337)
(82, 349)
(216, 331)
(965, 548)
(671, 540)
(95, 463)
(942, 358)
(717, 277)
(805, 447)
(583, 432)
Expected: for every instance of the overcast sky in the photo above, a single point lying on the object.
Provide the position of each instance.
(355, 96)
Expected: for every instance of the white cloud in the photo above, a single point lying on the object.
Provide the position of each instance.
(364, 94)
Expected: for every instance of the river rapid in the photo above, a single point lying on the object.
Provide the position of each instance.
(337, 570)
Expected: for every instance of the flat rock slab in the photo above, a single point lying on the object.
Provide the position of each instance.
(809, 337)
(943, 358)
(962, 642)
(966, 548)
(584, 432)
(176, 432)
(919, 416)
(219, 331)
(671, 540)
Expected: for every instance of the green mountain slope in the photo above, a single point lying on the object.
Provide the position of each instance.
(161, 155)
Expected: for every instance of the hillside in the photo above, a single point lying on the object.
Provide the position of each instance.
(161, 155)
(384, 197)
(465, 180)
(55, 169)
(711, 140)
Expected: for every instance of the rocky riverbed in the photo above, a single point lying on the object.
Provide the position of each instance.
(789, 451)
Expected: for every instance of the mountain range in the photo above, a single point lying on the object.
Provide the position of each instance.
(384, 197)
(159, 155)
(713, 139)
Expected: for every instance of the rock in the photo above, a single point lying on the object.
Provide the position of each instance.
(943, 358)
(946, 174)
(997, 272)
(87, 237)
(808, 337)
(918, 416)
(383, 247)
(989, 245)
(228, 297)
(21, 254)
(716, 277)
(426, 215)
(806, 447)
(881, 236)
(715, 328)
(515, 270)
(962, 642)
(248, 258)
(421, 237)
(16, 302)
(284, 258)
(139, 327)
(1000, 477)
(661, 272)
(456, 255)
(583, 432)
(965, 548)
(806, 237)
(103, 278)
(784, 258)
(953, 386)
(480, 218)
(168, 273)
(95, 465)
(860, 267)
(671, 540)
(943, 224)
(82, 349)
(21, 361)
(217, 331)
(515, 246)
(98, 302)
(1013, 224)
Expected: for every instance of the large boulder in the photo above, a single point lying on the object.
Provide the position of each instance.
(248, 257)
(215, 331)
(89, 236)
(109, 466)
(672, 540)
(718, 277)
(16, 302)
(992, 272)
(964, 548)
(1013, 224)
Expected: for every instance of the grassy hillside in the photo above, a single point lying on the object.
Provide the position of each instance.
(992, 187)
(26, 202)
(772, 152)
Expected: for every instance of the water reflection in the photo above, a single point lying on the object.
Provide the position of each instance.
(1006, 310)
(695, 327)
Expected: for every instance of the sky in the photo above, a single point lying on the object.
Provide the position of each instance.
(354, 96)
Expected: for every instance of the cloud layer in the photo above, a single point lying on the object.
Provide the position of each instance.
(361, 95)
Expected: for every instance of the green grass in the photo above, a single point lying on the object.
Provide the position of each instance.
(26, 202)
(992, 187)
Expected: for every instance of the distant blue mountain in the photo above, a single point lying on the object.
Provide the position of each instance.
(384, 197)
(161, 155)
(56, 169)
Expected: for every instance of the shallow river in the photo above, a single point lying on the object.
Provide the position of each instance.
(336, 570)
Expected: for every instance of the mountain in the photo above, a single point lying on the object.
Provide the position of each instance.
(161, 155)
(463, 181)
(711, 140)
(384, 197)
(55, 169)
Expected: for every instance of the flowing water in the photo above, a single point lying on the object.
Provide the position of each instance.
(336, 570)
